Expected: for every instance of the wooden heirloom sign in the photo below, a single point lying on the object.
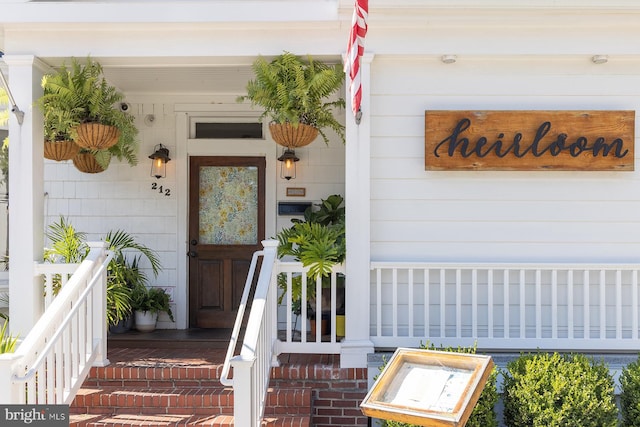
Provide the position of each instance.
(529, 140)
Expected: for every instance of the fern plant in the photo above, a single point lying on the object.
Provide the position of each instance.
(80, 94)
(318, 242)
(295, 91)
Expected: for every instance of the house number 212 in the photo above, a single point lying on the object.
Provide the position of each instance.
(161, 189)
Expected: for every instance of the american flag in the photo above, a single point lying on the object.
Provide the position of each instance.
(355, 50)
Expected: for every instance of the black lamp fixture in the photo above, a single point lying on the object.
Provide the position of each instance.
(288, 167)
(159, 161)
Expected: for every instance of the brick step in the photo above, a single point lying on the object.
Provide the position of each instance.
(181, 401)
(162, 420)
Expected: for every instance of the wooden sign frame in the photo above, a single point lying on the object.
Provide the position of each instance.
(427, 387)
(529, 140)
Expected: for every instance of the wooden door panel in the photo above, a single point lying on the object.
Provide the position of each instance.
(222, 190)
(211, 293)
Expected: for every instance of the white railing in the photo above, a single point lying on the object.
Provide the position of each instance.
(55, 277)
(506, 306)
(71, 336)
(252, 367)
(297, 335)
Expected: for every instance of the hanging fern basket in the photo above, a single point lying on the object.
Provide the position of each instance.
(96, 136)
(291, 136)
(60, 150)
(87, 163)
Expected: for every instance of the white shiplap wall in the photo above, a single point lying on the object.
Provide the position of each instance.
(493, 215)
(121, 197)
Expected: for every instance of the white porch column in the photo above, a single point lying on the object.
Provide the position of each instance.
(357, 344)
(26, 193)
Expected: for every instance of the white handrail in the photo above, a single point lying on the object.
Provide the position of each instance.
(55, 357)
(235, 333)
(252, 368)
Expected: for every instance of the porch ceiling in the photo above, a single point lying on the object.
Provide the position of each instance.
(176, 76)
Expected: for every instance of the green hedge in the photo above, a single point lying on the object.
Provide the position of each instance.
(630, 394)
(483, 414)
(547, 390)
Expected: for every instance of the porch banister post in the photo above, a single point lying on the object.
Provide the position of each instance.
(9, 389)
(99, 306)
(26, 193)
(357, 343)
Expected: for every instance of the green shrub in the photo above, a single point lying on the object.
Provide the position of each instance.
(630, 394)
(547, 390)
(483, 414)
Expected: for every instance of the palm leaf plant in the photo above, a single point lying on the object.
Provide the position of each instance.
(318, 243)
(124, 273)
(8, 342)
(297, 92)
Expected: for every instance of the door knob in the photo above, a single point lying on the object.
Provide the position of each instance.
(192, 254)
(194, 242)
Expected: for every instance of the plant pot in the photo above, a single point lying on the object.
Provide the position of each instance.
(124, 325)
(146, 321)
(324, 326)
(96, 136)
(87, 163)
(60, 150)
(292, 137)
(340, 325)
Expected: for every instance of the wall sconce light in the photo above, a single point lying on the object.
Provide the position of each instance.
(159, 161)
(288, 167)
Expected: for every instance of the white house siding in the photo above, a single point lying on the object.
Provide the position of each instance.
(122, 197)
(496, 216)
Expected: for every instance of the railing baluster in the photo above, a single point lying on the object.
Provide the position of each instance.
(523, 320)
(603, 305)
(490, 324)
(379, 301)
(458, 296)
(426, 302)
(394, 302)
(538, 304)
(587, 304)
(410, 302)
(318, 309)
(570, 303)
(554, 303)
(443, 305)
(506, 281)
(634, 304)
(618, 304)
(474, 302)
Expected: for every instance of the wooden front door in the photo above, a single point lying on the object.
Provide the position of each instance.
(226, 226)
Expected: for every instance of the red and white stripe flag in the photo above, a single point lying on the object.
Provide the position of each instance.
(355, 50)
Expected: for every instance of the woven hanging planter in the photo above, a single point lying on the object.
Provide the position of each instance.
(292, 137)
(60, 150)
(96, 136)
(87, 163)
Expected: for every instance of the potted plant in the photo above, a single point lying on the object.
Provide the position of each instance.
(318, 242)
(296, 97)
(58, 143)
(147, 303)
(79, 103)
(123, 274)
